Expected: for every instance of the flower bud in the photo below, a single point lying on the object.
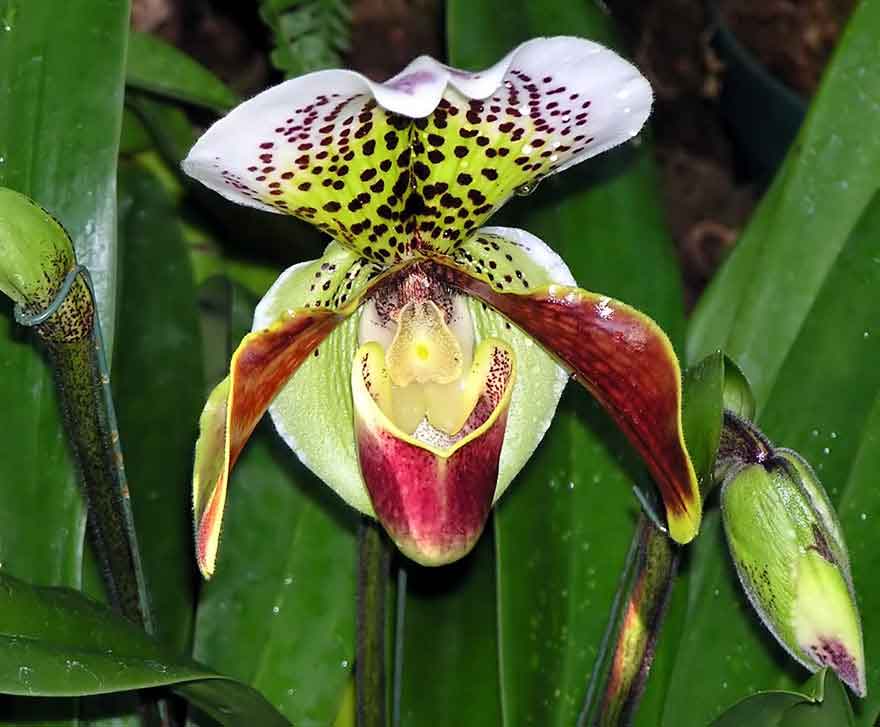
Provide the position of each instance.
(792, 562)
(36, 255)
(35, 252)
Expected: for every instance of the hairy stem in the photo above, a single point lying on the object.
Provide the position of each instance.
(71, 333)
(70, 329)
(90, 425)
(373, 570)
(621, 672)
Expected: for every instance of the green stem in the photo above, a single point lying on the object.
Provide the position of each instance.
(87, 417)
(372, 590)
(72, 334)
(627, 653)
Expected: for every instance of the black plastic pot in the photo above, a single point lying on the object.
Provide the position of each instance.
(763, 114)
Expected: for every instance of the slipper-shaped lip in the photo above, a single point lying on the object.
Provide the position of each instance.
(432, 500)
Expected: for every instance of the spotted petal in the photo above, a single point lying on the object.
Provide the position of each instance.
(620, 355)
(261, 365)
(418, 162)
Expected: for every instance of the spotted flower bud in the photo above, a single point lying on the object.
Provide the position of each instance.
(35, 252)
(36, 257)
(792, 562)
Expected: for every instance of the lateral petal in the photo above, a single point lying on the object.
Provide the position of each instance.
(260, 367)
(617, 353)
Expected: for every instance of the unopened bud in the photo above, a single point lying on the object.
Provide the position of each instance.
(792, 562)
(35, 252)
(36, 257)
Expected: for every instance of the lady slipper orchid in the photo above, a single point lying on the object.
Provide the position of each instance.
(416, 366)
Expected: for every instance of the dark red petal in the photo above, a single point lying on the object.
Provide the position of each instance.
(626, 361)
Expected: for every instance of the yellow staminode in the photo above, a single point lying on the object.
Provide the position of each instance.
(424, 350)
(429, 368)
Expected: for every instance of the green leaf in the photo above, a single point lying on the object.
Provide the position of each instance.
(738, 395)
(563, 530)
(450, 661)
(61, 86)
(767, 709)
(702, 412)
(279, 613)
(158, 67)
(834, 710)
(309, 34)
(158, 385)
(56, 642)
(821, 702)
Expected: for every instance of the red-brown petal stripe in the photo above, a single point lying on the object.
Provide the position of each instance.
(260, 367)
(626, 361)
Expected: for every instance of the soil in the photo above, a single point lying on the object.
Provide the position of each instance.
(707, 199)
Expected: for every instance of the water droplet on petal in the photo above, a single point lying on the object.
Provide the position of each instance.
(524, 190)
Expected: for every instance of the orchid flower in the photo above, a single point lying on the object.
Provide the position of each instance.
(417, 364)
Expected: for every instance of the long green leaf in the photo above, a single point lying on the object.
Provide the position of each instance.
(156, 66)
(56, 642)
(61, 85)
(563, 531)
(450, 659)
(158, 387)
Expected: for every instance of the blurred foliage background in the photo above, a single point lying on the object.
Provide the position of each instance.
(758, 178)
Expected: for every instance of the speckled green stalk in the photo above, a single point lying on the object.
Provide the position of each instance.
(76, 354)
(372, 592)
(627, 652)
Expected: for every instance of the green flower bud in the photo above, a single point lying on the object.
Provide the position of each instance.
(36, 255)
(35, 252)
(792, 562)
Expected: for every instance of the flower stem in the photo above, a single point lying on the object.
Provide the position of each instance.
(627, 653)
(72, 335)
(373, 571)
(71, 332)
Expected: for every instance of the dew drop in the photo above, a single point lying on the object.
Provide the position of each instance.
(524, 190)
